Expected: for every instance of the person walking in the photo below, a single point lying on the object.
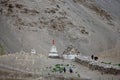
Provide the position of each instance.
(70, 70)
(64, 69)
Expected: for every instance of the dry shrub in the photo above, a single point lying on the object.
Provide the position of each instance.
(83, 30)
(100, 11)
(28, 11)
(81, 1)
(90, 4)
(51, 10)
(18, 5)
(57, 26)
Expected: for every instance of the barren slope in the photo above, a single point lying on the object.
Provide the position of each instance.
(89, 25)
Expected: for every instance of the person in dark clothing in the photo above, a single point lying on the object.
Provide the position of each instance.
(96, 58)
(71, 71)
(92, 57)
(64, 69)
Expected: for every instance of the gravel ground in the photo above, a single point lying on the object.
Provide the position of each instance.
(39, 64)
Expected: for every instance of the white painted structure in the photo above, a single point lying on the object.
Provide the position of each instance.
(53, 51)
(69, 56)
(33, 51)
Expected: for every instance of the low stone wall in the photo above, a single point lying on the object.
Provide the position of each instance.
(95, 65)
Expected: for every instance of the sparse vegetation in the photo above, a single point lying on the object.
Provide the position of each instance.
(57, 68)
(18, 6)
(78, 75)
(57, 26)
(34, 23)
(100, 11)
(83, 30)
(110, 63)
(106, 62)
(60, 67)
(89, 4)
(117, 65)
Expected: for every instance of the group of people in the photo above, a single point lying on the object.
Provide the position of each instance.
(94, 57)
(70, 70)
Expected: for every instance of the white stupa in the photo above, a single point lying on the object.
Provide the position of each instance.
(53, 51)
(33, 51)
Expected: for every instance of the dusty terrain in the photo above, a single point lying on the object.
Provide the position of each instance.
(89, 25)
(39, 68)
(111, 56)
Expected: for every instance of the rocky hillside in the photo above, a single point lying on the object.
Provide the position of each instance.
(92, 26)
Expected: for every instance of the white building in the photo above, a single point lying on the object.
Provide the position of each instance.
(70, 53)
(69, 56)
(53, 51)
(33, 51)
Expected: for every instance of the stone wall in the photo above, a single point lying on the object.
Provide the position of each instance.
(95, 65)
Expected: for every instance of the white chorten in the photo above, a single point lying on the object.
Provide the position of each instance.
(33, 51)
(53, 51)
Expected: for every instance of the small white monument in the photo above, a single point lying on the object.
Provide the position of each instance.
(70, 53)
(33, 51)
(53, 51)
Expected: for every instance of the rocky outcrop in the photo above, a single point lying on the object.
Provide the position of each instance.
(71, 50)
